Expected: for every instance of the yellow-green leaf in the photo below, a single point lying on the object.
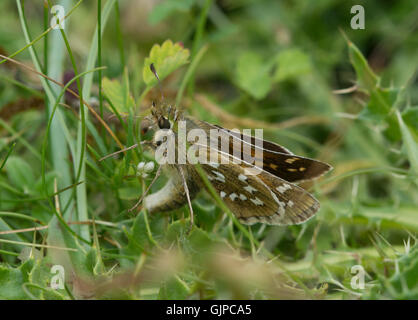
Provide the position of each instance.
(166, 58)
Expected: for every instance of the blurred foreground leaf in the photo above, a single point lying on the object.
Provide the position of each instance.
(20, 174)
(252, 75)
(365, 75)
(164, 9)
(382, 101)
(173, 289)
(291, 63)
(410, 116)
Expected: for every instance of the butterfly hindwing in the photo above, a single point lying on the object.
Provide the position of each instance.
(262, 197)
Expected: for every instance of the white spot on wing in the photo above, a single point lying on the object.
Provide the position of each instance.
(242, 197)
(257, 201)
(233, 196)
(250, 189)
(214, 165)
(283, 188)
(219, 176)
(242, 177)
(223, 194)
(290, 203)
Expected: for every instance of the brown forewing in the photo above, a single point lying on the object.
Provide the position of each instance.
(276, 159)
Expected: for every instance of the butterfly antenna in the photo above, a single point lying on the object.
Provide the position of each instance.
(152, 68)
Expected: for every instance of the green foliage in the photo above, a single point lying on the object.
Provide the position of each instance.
(115, 92)
(166, 8)
(291, 63)
(263, 61)
(382, 102)
(173, 289)
(365, 76)
(411, 145)
(253, 75)
(20, 174)
(12, 280)
(404, 282)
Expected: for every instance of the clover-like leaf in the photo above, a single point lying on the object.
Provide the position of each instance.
(166, 58)
(291, 63)
(252, 75)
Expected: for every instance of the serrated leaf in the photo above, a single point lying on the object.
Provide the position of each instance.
(166, 8)
(252, 75)
(173, 289)
(12, 279)
(405, 281)
(116, 93)
(49, 181)
(410, 144)
(166, 58)
(199, 242)
(41, 275)
(138, 239)
(20, 174)
(291, 63)
(365, 75)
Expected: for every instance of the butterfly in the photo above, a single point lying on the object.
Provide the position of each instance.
(271, 195)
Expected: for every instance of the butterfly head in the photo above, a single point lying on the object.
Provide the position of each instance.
(158, 124)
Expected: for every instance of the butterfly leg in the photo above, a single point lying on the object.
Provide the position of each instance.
(157, 174)
(117, 152)
(186, 190)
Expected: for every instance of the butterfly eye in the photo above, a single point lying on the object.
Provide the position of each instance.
(144, 130)
(163, 123)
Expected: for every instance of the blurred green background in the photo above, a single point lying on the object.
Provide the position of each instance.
(295, 68)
